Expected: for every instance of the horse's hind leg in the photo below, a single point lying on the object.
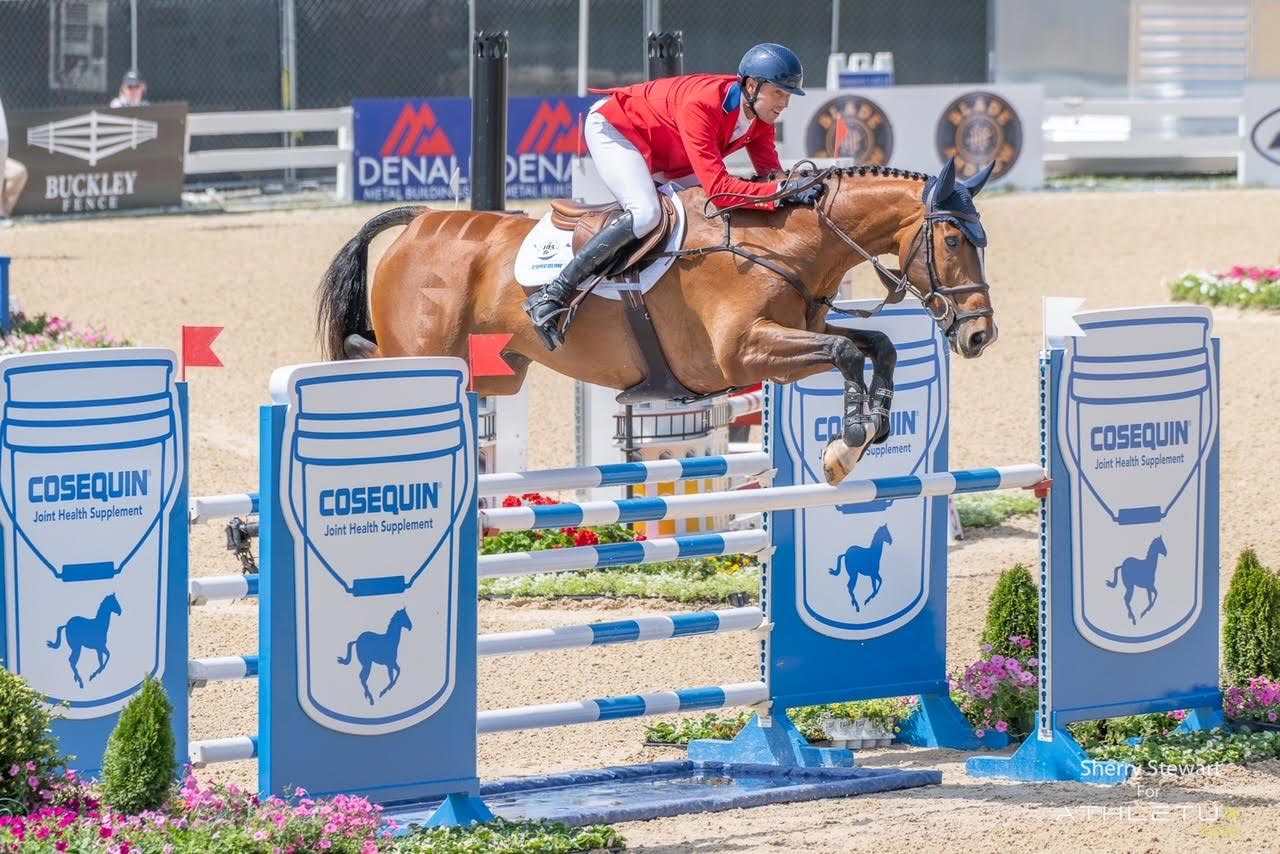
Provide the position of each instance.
(365, 667)
(75, 659)
(853, 594)
(1128, 597)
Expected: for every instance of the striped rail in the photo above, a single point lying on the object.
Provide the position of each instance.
(756, 500)
(201, 671)
(752, 465)
(237, 748)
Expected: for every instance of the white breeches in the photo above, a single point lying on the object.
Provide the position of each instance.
(624, 172)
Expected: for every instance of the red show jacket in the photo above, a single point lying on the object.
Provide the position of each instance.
(683, 125)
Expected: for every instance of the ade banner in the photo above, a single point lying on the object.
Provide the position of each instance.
(1260, 160)
(96, 159)
(420, 149)
(922, 127)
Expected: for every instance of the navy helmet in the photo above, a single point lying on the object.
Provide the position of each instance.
(774, 64)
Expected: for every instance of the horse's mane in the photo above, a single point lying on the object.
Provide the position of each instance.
(848, 172)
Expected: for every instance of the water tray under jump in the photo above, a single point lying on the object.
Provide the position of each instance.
(638, 792)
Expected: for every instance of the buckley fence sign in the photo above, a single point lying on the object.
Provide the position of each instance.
(420, 149)
(90, 159)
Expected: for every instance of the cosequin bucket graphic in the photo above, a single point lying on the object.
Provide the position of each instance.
(89, 465)
(1140, 404)
(835, 585)
(374, 485)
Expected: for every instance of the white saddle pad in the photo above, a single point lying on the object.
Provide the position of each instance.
(547, 249)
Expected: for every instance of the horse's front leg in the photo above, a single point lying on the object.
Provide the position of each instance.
(784, 354)
(866, 413)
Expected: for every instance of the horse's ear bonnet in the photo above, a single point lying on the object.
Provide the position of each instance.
(944, 193)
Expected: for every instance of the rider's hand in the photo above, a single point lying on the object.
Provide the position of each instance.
(808, 196)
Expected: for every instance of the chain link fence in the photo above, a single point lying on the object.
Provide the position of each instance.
(229, 54)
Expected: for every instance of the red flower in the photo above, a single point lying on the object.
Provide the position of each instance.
(511, 501)
(640, 538)
(585, 537)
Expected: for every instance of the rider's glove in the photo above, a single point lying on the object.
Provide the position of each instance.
(808, 196)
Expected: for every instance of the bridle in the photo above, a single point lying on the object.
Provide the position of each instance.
(939, 300)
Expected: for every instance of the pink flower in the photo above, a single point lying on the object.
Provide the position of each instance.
(1001, 726)
(260, 836)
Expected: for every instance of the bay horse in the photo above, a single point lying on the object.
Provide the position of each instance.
(745, 300)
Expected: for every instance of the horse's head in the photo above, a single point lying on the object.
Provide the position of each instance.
(944, 262)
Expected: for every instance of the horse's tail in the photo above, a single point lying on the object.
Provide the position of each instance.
(1115, 578)
(343, 295)
(57, 639)
(346, 659)
(839, 565)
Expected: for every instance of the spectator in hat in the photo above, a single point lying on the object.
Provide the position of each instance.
(133, 90)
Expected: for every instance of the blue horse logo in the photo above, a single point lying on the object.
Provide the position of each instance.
(380, 648)
(90, 632)
(1139, 572)
(864, 560)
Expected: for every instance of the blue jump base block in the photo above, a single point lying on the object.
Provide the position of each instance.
(640, 792)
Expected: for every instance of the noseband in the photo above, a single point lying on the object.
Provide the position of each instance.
(940, 299)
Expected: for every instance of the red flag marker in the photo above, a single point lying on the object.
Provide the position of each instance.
(486, 356)
(197, 348)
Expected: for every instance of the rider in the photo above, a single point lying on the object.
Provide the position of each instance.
(677, 129)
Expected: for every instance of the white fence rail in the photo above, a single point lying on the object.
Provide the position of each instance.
(337, 157)
(1157, 130)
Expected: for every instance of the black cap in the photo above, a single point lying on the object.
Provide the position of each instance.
(132, 76)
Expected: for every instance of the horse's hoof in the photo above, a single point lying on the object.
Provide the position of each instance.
(838, 459)
(356, 346)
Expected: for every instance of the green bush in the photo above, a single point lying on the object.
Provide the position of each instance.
(1013, 611)
(139, 768)
(989, 509)
(28, 748)
(1251, 629)
(510, 837)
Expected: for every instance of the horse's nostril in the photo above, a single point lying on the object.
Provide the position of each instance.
(978, 340)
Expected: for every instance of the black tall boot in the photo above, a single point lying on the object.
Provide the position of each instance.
(546, 306)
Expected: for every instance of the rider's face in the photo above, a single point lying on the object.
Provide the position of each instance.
(770, 102)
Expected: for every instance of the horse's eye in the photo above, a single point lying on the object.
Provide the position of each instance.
(953, 241)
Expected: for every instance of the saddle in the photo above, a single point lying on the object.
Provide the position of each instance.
(585, 220)
(659, 383)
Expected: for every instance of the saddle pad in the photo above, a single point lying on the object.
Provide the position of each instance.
(546, 249)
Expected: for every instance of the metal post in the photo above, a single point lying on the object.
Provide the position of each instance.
(6, 317)
(584, 44)
(133, 34)
(288, 70)
(471, 28)
(835, 26)
(665, 52)
(489, 122)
